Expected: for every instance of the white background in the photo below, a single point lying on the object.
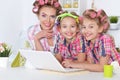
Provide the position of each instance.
(16, 15)
(110, 6)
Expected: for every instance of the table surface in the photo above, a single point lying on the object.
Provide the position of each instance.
(33, 74)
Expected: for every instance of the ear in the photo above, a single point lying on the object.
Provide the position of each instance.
(37, 16)
(100, 29)
(59, 29)
(78, 29)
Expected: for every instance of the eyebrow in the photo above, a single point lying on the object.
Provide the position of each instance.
(46, 14)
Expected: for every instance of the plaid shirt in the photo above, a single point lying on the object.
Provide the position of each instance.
(33, 30)
(71, 50)
(104, 45)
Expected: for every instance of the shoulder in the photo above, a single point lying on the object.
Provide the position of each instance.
(80, 36)
(32, 30)
(56, 30)
(106, 38)
(33, 27)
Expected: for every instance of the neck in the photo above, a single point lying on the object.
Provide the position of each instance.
(70, 40)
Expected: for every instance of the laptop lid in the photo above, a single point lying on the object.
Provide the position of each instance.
(44, 60)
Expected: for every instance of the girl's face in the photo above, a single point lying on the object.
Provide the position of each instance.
(47, 16)
(68, 28)
(90, 29)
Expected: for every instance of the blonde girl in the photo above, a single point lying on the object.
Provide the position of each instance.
(70, 45)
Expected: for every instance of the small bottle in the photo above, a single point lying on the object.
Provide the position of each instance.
(67, 4)
(75, 3)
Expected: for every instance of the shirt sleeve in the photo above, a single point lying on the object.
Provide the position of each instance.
(24, 40)
(108, 44)
(57, 44)
(80, 48)
(29, 43)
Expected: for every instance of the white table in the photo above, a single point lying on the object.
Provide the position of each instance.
(32, 74)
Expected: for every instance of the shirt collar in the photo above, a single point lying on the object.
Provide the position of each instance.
(96, 44)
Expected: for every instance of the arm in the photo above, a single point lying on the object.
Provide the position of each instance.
(58, 57)
(38, 44)
(89, 66)
(57, 50)
(39, 36)
(81, 57)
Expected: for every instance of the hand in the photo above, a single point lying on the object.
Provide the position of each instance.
(44, 34)
(104, 60)
(67, 63)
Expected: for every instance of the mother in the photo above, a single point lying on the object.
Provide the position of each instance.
(42, 35)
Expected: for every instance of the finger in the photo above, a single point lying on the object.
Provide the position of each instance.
(49, 31)
(49, 36)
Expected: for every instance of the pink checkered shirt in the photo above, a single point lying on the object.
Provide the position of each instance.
(69, 51)
(104, 45)
(34, 30)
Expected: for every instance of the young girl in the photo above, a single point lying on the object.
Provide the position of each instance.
(42, 35)
(100, 46)
(69, 45)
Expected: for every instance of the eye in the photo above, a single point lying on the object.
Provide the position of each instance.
(83, 27)
(53, 16)
(64, 26)
(43, 15)
(73, 26)
(91, 26)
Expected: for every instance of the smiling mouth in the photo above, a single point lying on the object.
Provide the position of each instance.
(69, 34)
(87, 35)
(47, 25)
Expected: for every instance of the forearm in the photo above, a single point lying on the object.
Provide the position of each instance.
(38, 45)
(90, 67)
(58, 57)
(81, 57)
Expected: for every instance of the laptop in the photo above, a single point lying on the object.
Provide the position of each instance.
(44, 60)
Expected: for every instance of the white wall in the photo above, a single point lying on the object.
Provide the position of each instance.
(10, 20)
(110, 6)
(29, 18)
(15, 16)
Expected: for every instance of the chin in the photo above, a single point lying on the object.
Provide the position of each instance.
(69, 38)
(88, 39)
(48, 28)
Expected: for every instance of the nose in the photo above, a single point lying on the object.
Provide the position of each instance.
(48, 19)
(68, 29)
(84, 30)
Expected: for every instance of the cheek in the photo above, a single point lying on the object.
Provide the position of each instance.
(53, 21)
(41, 19)
(74, 31)
(62, 30)
(83, 31)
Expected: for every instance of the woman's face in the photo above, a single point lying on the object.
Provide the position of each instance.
(47, 16)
